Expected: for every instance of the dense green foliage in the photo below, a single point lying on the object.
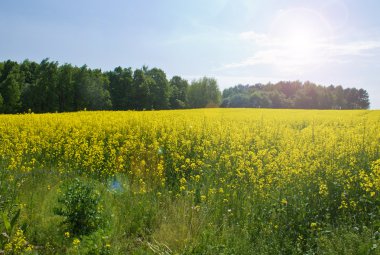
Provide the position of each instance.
(204, 92)
(50, 87)
(79, 205)
(295, 94)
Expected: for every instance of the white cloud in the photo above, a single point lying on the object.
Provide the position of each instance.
(253, 36)
(260, 57)
(353, 48)
(295, 53)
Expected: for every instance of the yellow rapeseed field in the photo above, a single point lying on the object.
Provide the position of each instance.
(263, 148)
(320, 166)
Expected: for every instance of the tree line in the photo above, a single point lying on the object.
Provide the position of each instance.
(295, 94)
(49, 87)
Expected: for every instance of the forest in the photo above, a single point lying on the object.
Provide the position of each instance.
(50, 87)
(295, 94)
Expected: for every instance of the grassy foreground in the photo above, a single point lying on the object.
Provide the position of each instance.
(215, 181)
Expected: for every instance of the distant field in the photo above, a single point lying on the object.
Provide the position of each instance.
(208, 181)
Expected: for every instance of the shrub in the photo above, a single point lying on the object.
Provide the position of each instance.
(80, 207)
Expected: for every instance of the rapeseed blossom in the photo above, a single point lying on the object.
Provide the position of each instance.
(330, 157)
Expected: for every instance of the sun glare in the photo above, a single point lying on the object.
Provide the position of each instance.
(301, 41)
(300, 36)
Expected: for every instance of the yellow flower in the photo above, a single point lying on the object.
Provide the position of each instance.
(76, 241)
(182, 181)
(67, 234)
(29, 248)
(323, 191)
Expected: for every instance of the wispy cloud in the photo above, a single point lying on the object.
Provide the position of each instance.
(289, 55)
(253, 36)
(260, 57)
(353, 48)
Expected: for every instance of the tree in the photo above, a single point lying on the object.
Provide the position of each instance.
(302, 99)
(121, 88)
(50, 87)
(142, 85)
(159, 89)
(178, 95)
(98, 95)
(30, 72)
(44, 96)
(204, 93)
(1, 103)
(259, 99)
(80, 88)
(351, 97)
(11, 84)
(288, 88)
(239, 100)
(340, 100)
(278, 99)
(325, 99)
(310, 92)
(363, 99)
(65, 88)
(225, 103)
(91, 90)
(295, 95)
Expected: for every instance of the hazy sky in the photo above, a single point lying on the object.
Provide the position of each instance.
(236, 41)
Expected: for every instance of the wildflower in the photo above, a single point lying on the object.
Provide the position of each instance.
(343, 205)
(29, 248)
(183, 181)
(196, 208)
(76, 241)
(323, 191)
(17, 244)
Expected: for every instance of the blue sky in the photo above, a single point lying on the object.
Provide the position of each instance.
(236, 41)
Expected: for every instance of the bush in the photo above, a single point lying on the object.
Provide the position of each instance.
(80, 207)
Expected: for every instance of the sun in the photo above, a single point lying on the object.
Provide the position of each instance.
(300, 37)
(301, 45)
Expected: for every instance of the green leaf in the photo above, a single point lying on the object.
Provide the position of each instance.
(6, 223)
(15, 218)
